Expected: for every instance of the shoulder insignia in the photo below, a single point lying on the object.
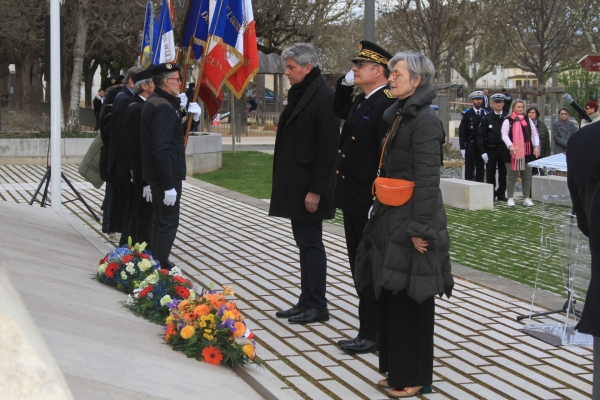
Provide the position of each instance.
(466, 111)
(485, 112)
(388, 93)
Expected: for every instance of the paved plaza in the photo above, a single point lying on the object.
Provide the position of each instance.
(228, 239)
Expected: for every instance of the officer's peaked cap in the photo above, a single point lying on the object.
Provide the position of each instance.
(369, 51)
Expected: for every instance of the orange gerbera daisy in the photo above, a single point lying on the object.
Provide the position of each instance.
(212, 355)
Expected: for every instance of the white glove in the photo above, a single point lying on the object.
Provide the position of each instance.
(349, 79)
(370, 209)
(195, 110)
(170, 197)
(147, 194)
(183, 100)
(485, 157)
(462, 153)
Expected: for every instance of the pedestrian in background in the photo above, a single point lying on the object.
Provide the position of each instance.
(591, 108)
(306, 143)
(467, 138)
(97, 104)
(522, 142)
(562, 129)
(545, 151)
(491, 146)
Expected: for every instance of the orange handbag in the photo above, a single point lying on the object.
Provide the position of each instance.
(391, 191)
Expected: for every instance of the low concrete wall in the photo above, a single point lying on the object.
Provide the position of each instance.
(467, 195)
(203, 153)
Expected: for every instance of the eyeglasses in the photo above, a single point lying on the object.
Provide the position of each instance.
(178, 79)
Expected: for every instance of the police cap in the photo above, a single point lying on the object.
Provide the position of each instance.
(498, 97)
(111, 81)
(369, 51)
(478, 94)
(140, 76)
(165, 68)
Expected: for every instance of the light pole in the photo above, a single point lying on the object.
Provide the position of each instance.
(55, 102)
(370, 20)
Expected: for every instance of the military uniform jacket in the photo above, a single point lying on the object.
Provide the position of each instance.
(132, 124)
(360, 146)
(119, 160)
(467, 131)
(162, 138)
(490, 131)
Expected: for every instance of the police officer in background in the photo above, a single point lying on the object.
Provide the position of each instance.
(491, 146)
(486, 101)
(467, 132)
(507, 101)
(163, 156)
(140, 201)
(357, 163)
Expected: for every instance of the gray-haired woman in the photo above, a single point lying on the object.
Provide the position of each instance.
(404, 251)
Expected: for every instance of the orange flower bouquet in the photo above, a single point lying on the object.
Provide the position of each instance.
(211, 329)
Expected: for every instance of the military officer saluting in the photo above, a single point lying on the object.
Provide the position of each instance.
(467, 131)
(491, 146)
(357, 163)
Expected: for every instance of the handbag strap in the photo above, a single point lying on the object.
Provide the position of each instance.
(396, 122)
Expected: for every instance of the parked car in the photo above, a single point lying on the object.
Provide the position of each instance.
(269, 95)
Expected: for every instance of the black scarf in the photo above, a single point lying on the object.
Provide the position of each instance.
(294, 95)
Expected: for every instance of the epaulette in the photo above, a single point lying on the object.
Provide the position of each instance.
(486, 112)
(388, 93)
(466, 111)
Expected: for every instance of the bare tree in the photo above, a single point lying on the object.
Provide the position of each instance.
(438, 28)
(540, 34)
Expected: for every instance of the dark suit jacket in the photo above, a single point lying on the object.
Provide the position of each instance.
(119, 160)
(360, 146)
(469, 124)
(97, 103)
(304, 158)
(582, 159)
(132, 125)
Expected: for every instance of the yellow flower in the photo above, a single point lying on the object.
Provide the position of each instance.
(227, 314)
(203, 318)
(187, 332)
(169, 320)
(228, 291)
(208, 336)
(211, 317)
(202, 324)
(208, 330)
(248, 349)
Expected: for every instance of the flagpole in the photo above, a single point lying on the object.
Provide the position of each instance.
(232, 121)
(187, 13)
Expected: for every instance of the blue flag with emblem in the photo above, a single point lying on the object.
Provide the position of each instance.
(148, 37)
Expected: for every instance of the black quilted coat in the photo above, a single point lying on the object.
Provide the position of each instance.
(386, 256)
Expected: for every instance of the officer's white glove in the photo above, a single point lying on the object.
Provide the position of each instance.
(349, 79)
(183, 100)
(195, 110)
(147, 194)
(370, 209)
(170, 197)
(485, 157)
(462, 153)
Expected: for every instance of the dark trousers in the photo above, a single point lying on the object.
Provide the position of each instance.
(107, 207)
(354, 225)
(406, 339)
(165, 221)
(140, 217)
(123, 188)
(473, 161)
(495, 159)
(308, 234)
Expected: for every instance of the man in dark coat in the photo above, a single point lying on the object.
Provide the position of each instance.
(583, 165)
(357, 162)
(491, 146)
(163, 156)
(507, 101)
(119, 154)
(304, 175)
(467, 137)
(97, 104)
(111, 85)
(140, 201)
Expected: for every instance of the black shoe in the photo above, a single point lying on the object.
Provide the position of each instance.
(346, 342)
(502, 198)
(297, 309)
(361, 346)
(310, 315)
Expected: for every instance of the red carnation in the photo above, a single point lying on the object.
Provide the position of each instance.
(163, 271)
(182, 292)
(127, 258)
(180, 279)
(146, 256)
(111, 269)
(146, 291)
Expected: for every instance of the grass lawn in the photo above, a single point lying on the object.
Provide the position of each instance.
(504, 241)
